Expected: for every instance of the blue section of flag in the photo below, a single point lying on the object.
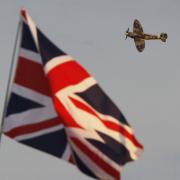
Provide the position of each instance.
(53, 143)
(18, 104)
(27, 39)
(45, 44)
(83, 167)
(97, 98)
(112, 148)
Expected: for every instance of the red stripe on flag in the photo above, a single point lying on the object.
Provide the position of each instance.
(71, 160)
(31, 75)
(107, 123)
(31, 128)
(97, 159)
(123, 131)
(66, 117)
(66, 74)
(24, 13)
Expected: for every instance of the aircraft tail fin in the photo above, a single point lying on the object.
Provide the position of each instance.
(163, 37)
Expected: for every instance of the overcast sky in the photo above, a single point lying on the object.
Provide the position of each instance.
(146, 86)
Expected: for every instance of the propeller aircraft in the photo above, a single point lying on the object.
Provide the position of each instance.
(139, 36)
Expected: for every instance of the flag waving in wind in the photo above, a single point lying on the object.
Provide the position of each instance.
(57, 107)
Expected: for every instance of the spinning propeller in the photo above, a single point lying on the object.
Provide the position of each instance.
(127, 33)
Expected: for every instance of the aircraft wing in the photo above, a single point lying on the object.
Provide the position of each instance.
(140, 44)
(137, 28)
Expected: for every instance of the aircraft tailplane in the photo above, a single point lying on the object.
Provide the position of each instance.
(163, 37)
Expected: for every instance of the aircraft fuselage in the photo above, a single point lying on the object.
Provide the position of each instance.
(142, 36)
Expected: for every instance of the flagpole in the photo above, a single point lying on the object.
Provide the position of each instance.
(10, 78)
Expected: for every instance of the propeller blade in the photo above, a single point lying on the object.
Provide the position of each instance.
(127, 30)
(126, 33)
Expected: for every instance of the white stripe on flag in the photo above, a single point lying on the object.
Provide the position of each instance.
(33, 29)
(67, 153)
(32, 95)
(32, 116)
(56, 62)
(82, 86)
(30, 55)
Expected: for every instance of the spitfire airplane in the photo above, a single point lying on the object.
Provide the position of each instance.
(139, 36)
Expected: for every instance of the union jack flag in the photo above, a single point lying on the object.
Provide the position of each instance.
(57, 107)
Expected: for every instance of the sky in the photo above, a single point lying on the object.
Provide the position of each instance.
(144, 85)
